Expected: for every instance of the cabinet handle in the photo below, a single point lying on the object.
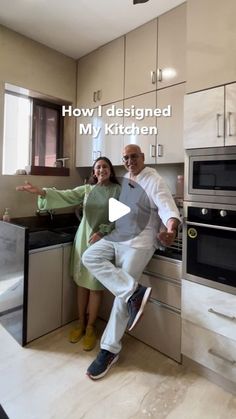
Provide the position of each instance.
(211, 310)
(153, 77)
(152, 150)
(99, 95)
(95, 96)
(160, 150)
(94, 155)
(229, 124)
(218, 116)
(159, 72)
(214, 353)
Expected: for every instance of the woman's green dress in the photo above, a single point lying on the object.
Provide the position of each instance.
(95, 218)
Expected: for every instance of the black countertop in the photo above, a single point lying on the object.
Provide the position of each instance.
(44, 231)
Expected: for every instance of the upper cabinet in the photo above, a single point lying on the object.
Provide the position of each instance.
(170, 147)
(97, 136)
(171, 59)
(146, 142)
(141, 59)
(101, 75)
(211, 43)
(210, 118)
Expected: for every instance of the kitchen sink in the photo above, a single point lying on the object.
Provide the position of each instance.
(44, 238)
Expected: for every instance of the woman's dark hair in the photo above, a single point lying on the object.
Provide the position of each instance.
(113, 179)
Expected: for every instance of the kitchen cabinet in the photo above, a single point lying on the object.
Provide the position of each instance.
(209, 330)
(141, 59)
(146, 142)
(160, 326)
(51, 295)
(170, 148)
(86, 141)
(91, 146)
(108, 143)
(171, 58)
(167, 145)
(69, 290)
(101, 75)
(211, 46)
(209, 118)
(44, 292)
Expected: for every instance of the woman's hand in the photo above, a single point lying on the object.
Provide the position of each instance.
(95, 237)
(28, 187)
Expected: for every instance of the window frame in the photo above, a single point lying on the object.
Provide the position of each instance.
(60, 127)
(44, 170)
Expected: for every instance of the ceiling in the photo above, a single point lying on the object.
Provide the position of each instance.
(76, 27)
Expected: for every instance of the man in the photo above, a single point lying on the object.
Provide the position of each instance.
(131, 257)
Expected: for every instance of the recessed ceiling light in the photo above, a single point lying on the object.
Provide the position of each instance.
(139, 1)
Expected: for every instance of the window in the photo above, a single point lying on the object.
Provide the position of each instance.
(33, 134)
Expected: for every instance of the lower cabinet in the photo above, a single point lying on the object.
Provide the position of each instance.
(160, 326)
(208, 328)
(51, 291)
(210, 349)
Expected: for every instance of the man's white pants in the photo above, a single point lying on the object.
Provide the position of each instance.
(121, 279)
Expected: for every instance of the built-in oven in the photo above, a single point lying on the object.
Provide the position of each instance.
(209, 245)
(210, 175)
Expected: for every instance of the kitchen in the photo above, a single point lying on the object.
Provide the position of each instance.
(44, 70)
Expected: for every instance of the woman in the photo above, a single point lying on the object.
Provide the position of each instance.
(94, 225)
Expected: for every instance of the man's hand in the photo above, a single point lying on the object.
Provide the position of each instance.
(167, 237)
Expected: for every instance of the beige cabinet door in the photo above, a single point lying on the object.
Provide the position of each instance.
(230, 109)
(146, 142)
(88, 80)
(204, 119)
(44, 292)
(211, 43)
(86, 139)
(171, 60)
(109, 143)
(69, 289)
(101, 75)
(141, 59)
(111, 72)
(170, 147)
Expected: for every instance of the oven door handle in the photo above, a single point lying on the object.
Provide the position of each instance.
(216, 227)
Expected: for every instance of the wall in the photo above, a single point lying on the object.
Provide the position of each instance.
(31, 65)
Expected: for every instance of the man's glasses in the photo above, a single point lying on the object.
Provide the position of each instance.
(128, 157)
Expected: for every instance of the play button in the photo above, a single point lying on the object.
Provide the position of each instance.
(117, 209)
(130, 213)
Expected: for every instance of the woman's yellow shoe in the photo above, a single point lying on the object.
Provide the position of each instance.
(76, 334)
(89, 340)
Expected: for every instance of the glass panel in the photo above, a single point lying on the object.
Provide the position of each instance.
(17, 128)
(46, 130)
(12, 267)
(217, 175)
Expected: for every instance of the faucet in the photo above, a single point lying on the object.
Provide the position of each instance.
(50, 212)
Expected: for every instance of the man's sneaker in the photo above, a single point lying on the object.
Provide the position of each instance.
(136, 304)
(101, 365)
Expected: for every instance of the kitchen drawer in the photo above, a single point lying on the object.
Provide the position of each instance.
(209, 349)
(209, 308)
(164, 290)
(164, 267)
(160, 327)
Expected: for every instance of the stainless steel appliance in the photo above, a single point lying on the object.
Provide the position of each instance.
(210, 175)
(209, 245)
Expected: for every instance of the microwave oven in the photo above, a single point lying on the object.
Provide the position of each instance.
(210, 175)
